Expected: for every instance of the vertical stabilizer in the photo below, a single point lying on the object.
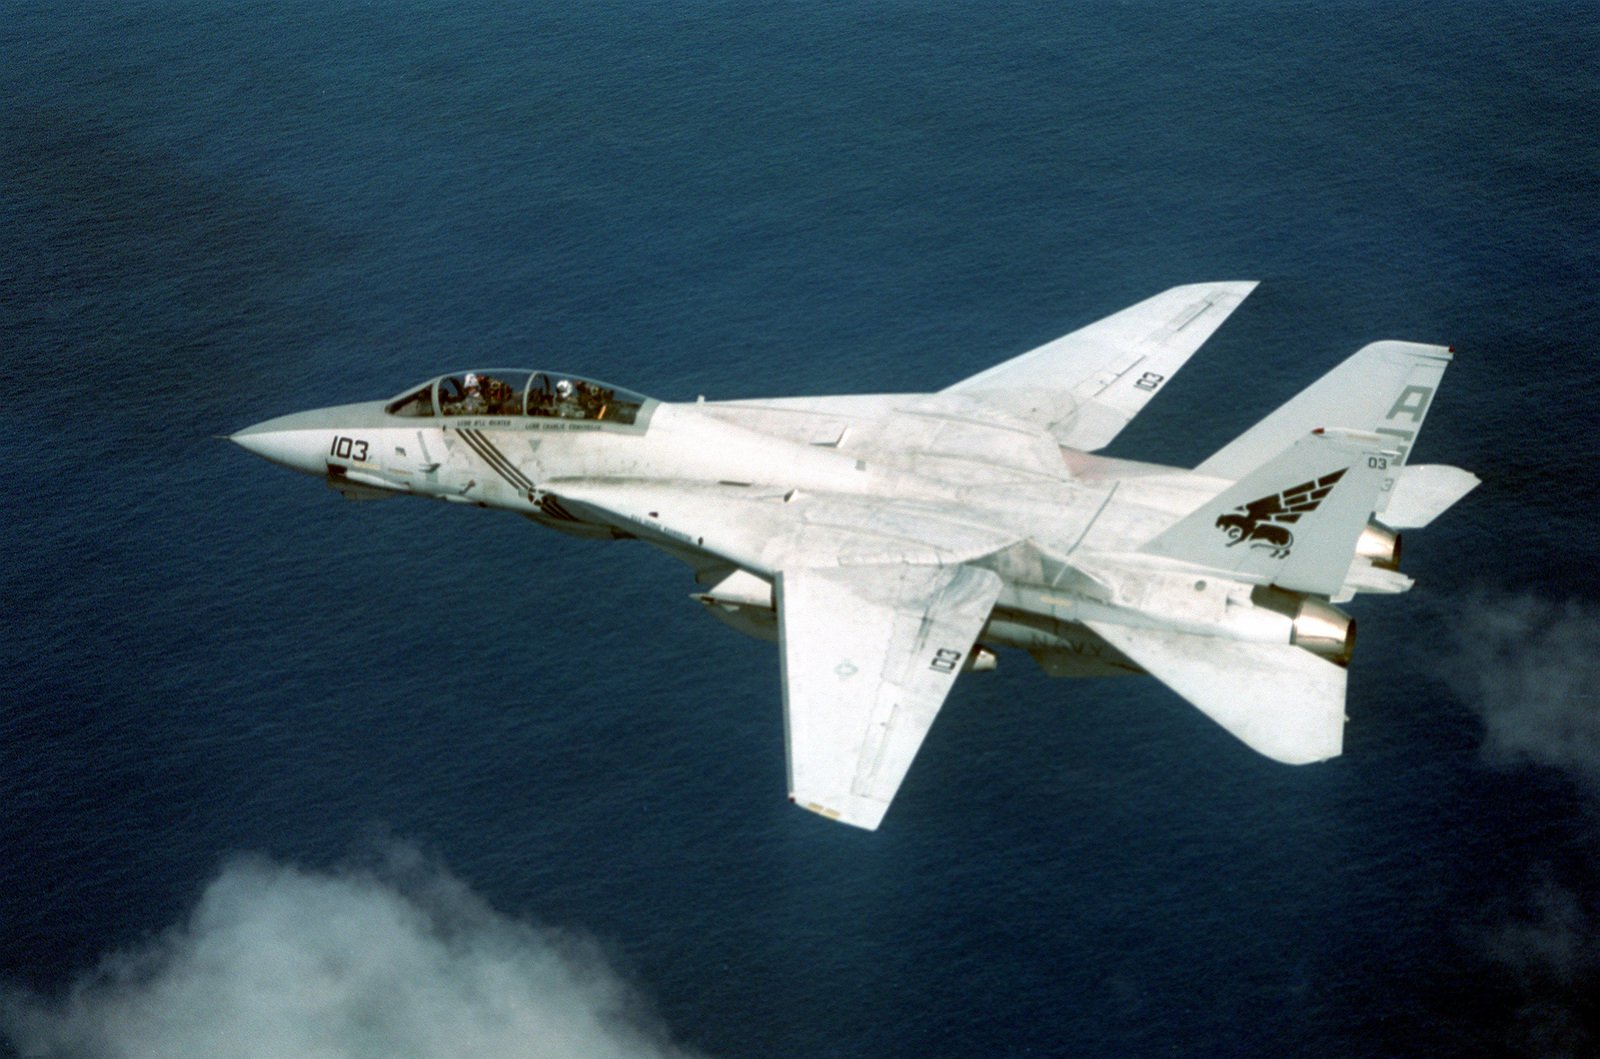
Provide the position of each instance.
(1294, 520)
(1384, 388)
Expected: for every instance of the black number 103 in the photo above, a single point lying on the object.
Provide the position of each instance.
(349, 448)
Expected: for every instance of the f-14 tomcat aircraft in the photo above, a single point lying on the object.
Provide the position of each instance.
(889, 542)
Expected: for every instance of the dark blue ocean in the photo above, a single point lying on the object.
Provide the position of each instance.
(286, 776)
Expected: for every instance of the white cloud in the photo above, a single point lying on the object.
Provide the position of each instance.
(1530, 668)
(405, 962)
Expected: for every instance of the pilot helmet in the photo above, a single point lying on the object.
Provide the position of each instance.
(472, 380)
(564, 388)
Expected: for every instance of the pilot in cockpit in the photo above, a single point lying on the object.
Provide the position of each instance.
(498, 396)
(567, 406)
(472, 402)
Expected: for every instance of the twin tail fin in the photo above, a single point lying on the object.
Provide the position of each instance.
(1384, 388)
(1294, 520)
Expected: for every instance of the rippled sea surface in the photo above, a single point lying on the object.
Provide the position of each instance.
(280, 773)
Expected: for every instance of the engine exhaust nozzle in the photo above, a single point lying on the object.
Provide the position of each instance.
(1379, 545)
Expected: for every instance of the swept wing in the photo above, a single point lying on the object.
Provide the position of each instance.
(869, 654)
(870, 643)
(1086, 386)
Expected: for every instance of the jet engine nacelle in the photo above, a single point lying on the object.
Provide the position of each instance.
(1324, 630)
(1380, 546)
(1318, 627)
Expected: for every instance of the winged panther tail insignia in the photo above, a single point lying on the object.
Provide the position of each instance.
(1264, 523)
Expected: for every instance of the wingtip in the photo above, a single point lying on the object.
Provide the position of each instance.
(1238, 287)
(853, 815)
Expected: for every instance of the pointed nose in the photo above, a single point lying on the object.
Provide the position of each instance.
(286, 443)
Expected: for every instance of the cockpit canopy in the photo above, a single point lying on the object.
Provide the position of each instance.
(518, 392)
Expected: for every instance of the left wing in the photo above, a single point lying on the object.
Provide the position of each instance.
(869, 654)
(1085, 387)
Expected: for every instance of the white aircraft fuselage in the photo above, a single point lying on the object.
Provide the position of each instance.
(888, 542)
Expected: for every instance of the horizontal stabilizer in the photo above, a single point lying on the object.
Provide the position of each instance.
(1425, 492)
(1280, 700)
(1293, 521)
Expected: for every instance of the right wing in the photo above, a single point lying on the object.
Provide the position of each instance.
(1280, 700)
(1086, 386)
(869, 654)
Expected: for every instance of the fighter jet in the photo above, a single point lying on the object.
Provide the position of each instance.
(890, 542)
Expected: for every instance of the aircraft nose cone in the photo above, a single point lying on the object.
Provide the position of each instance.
(278, 441)
(262, 442)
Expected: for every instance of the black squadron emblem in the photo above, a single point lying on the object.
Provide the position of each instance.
(1265, 523)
